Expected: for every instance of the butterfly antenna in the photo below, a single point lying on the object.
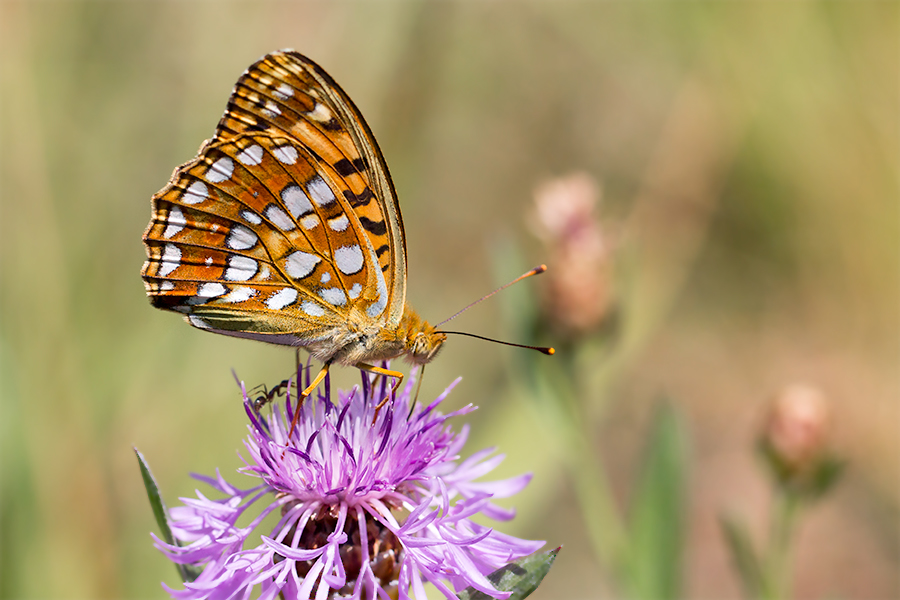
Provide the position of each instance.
(549, 351)
(535, 271)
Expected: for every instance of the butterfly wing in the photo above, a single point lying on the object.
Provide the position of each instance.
(286, 224)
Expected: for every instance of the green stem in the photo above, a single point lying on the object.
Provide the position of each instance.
(591, 481)
(778, 564)
(598, 507)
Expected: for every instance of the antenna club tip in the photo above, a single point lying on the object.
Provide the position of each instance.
(540, 269)
(550, 351)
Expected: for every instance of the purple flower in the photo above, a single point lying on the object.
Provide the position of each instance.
(367, 505)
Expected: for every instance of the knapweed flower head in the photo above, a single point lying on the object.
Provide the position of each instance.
(370, 504)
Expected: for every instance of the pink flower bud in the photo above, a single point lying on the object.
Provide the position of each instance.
(797, 427)
(578, 285)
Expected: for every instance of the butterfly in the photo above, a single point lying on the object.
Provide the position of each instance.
(285, 228)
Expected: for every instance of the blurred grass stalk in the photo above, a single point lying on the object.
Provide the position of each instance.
(639, 552)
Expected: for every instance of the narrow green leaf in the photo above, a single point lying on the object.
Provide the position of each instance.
(186, 572)
(519, 577)
(657, 512)
(156, 501)
(744, 557)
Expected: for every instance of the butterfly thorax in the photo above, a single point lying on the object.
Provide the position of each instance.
(413, 338)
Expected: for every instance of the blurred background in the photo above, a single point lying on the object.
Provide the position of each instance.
(743, 160)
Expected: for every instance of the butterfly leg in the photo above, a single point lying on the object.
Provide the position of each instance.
(398, 379)
(304, 394)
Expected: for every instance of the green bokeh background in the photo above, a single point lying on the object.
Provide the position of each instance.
(775, 260)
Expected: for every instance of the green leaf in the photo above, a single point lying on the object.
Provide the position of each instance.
(657, 512)
(520, 577)
(186, 572)
(744, 557)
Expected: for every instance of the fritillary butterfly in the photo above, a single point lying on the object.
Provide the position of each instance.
(285, 227)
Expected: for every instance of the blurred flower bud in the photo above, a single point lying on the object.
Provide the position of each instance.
(795, 439)
(578, 290)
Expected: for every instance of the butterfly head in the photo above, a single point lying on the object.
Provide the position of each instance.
(425, 345)
(423, 341)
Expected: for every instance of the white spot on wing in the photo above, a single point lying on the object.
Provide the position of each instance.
(271, 109)
(220, 170)
(211, 290)
(349, 259)
(251, 156)
(240, 268)
(319, 191)
(175, 222)
(165, 286)
(283, 92)
(309, 221)
(251, 217)
(286, 154)
(326, 277)
(196, 193)
(333, 296)
(240, 238)
(296, 200)
(171, 259)
(281, 298)
(339, 223)
(198, 322)
(320, 113)
(300, 264)
(376, 309)
(354, 291)
(279, 217)
(312, 309)
(239, 294)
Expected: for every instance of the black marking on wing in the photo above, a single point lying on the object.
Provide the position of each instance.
(332, 125)
(257, 126)
(361, 199)
(344, 168)
(381, 250)
(376, 227)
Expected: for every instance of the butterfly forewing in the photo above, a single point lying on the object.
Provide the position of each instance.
(287, 94)
(286, 221)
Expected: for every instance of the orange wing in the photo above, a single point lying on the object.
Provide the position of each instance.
(286, 221)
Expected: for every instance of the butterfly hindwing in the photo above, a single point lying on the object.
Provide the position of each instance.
(274, 231)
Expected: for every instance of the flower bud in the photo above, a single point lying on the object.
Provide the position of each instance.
(578, 286)
(795, 440)
(797, 425)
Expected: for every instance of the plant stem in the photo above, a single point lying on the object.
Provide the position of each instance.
(778, 562)
(601, 516)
